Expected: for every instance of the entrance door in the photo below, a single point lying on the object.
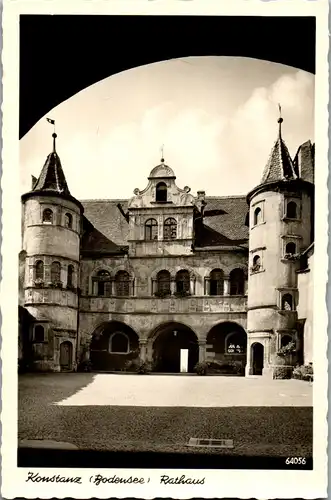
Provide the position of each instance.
(66, 356)
(258, 355)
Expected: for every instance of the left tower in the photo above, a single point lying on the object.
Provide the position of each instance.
(51, 227)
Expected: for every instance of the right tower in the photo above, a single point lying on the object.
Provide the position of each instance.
(281, 212)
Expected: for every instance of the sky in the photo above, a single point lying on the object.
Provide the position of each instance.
(216, 117)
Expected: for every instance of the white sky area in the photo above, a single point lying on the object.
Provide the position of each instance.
(216, 116)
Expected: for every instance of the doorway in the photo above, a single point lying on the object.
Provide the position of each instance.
(66, 356)
(257, 355)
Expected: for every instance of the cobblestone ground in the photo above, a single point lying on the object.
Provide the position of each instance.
(144, 413)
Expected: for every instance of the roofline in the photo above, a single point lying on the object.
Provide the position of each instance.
(271, 186)
(311, 246)
(114, 200)
(42, 192)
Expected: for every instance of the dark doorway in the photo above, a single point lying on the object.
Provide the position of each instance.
(170, 339)
(258, 354)
(66, 356)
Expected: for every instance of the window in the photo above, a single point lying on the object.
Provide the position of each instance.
(122, 283)
(183, 282)
(151, 229)
(256, 264)
(119, 343)
(291, 210)
(70, 276)
(287, 302)
(235, 343)
(290, 248)
(161, 192)
(103, 284)
(39, 333)
(170, 229)
(286, 339)
(216, 283)
(39, 270)
(257, 216)
(68, 220)
(163, 283)
(55, 272)
(237, 282)
(47, 216)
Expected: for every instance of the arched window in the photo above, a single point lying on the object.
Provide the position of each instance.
(235, 343)
(122, 283)
(70, 280)
(39, 333)
(151, 229)
(216, 282)
(286, 339)
(39, 270)
(163, 283)
(68, 220)
(170, 229)
(161, 192)
(55, 272)
(183, 282)
(257, 216)
(291, 210)
(290, 248)
(287, 302)
(256, 263)
(103, 283)
(119, 343)
(47, 216)
(237, 282)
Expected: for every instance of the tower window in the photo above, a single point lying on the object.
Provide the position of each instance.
(70, 281)
(170, 229)
(256, 264)
(216, 282)
(119, 343)
(68, 220)
(287, 302)
(291, 210)
(257, 216)
(286, 339)
(39, 270)
(47, 216)
(237, 282)
(183, 282)
(161, 192)
(103, 283)
(290, 248)
(151, 229)
(39, 333)
(163, 283)
(122, 283)
(56, 272)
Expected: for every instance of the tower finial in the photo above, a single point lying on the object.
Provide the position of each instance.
(162, 153)
(52, 122)
(54, 139)
(280, 120)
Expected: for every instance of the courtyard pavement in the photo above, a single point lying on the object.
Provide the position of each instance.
(161, 413)
(190, 391)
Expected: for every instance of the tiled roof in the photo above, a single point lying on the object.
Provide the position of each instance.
(280, 165)
(52, 177)
(304, 161)
(224, 224)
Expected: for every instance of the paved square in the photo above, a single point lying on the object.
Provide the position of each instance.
(190, 391)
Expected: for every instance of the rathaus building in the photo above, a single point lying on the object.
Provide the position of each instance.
(229, 278)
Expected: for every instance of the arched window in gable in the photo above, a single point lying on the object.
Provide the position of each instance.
(103, 281)
(183, 281)
(151, 230)
(170, 229)
(55, 272)
(216, 282)
(68, 220)
(163, 283)
(122, 284)
(257, 216)
(119, 343)
(237, 282)
(47, 216)
(287, 302)
(39, 270)
(291, 210)
(161, 192)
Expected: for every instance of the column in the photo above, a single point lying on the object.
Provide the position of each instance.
(172, 287)
(246, 287)
(142, 347)
(207, 286)
(227, 285)
(202, 350)
(248, 368)
(192, 286)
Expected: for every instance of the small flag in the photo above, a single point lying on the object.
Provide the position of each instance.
(50, 121)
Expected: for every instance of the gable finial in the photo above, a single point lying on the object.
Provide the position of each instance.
(162, 153)
(280, 120)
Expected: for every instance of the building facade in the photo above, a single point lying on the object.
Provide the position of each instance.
(119, 281)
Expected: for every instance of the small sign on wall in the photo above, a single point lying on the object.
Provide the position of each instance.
(183, 360)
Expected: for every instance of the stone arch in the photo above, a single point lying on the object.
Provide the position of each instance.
(257, 358)
(226, 345)
(168, 339)
(66, 355)
(101, 355)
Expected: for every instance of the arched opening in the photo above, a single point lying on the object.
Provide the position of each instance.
(102, 283)
(170, 339)
(256, 264)
(39, 333)
(122, 284)
(113, 345)
(55, 272)
(39, 270)
(68, 220)
(237, 282)
(291, 210)
(216, 282)
(47, 216)
(163, 283)
(287, 302)
(257, 358)
(257, 216)
(151, 230)
(66, 356)
(183, 282)
(290, 248)
(226, 348)
(285, 340)
(70, 277)
(161, 192)
(170, 229)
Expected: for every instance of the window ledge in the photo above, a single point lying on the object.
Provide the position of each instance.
(162, 202)
(252, 273)
(289, 219)
(259, 224)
